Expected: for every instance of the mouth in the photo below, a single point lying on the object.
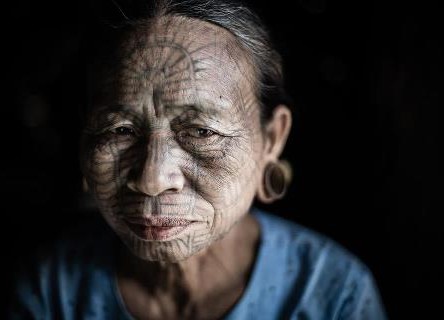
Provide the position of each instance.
(157, 228)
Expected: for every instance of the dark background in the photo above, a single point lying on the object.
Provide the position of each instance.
(367, 79)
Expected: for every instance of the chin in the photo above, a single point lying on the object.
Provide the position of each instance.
(171, 251)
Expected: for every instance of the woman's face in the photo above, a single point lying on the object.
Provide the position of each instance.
(173, 148)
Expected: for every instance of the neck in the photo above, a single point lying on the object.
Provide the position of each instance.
(206, 284)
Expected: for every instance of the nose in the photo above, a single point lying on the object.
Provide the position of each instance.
(159, 171)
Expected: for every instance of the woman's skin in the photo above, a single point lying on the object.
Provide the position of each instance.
(174, 154)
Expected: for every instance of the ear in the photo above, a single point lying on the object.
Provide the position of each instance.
(276, 132)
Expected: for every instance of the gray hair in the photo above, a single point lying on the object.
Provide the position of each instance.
(247, 28)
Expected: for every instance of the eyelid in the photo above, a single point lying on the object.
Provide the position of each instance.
(114, 126)
(211, 127)
(197, 126)
(199, 119)
(122, 124)
(194, 135)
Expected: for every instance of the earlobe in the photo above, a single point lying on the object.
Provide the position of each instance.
(275, 181)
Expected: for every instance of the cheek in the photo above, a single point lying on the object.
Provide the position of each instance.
(105, 170)
(229, 182)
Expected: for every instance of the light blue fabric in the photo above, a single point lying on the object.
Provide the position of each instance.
(298, 274)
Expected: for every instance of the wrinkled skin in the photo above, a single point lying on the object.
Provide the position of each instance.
(174, 133)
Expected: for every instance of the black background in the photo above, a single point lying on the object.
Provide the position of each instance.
(366, 77)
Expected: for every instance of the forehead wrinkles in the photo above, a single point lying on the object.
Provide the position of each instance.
(158, 43)
(159, 63)
(180, 51)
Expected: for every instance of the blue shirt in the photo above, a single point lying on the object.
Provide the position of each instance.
(298, 274)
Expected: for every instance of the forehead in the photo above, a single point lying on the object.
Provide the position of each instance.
(180, 58)
(199, 40)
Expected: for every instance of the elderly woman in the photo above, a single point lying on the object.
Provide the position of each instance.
(186, 123)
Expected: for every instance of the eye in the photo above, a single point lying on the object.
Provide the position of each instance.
(123, 131)
(201, 132)
(198, 136)
(197, 133)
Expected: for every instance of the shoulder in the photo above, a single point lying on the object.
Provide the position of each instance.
(307, 244)
(64, 274)
(319, 277)
(87, 243)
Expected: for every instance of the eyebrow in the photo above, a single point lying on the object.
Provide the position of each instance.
(211, 111)
(126, 112)
(203, 102)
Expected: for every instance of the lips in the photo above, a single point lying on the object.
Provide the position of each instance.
(157, 228)
(159, 221)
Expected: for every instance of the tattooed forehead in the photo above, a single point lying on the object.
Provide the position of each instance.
(176, 61)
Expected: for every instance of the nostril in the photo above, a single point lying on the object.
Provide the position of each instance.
(132, 180)
(172, 190)
(156, 185)
(132, 186)
(176, 182)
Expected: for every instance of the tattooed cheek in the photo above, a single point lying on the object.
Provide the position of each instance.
(110, 146)
(222, 164)
(211, 154)
(214, 160)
